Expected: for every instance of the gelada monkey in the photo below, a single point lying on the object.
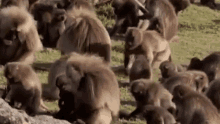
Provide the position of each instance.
(80, 36)
(19, 38)
(24, 86)
(93, 88)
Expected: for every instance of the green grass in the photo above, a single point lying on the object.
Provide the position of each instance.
(199, 34)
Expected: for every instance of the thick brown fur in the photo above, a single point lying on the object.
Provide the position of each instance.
(24, 87)
(197, 80)
(24, 41)
(19, 3)
(94, 88)
(188, 102)
(140, 69)
(157, 115)
(85, 33)
(163, 18)
(148, 92)
(213, 93)
(210, 65)
(148, 43)
(127, 14)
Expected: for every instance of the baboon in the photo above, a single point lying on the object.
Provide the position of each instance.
(210, 3)
(148, 92)
(210, 65)
(24, 87)
(19, 38)
(85, 34)
(180, 5)
(147, 43)
(197, 80)
(163, 18)
(157, 115)
(19, 3)
(189, 101)
(127, 14)
(213, 93)
(93, 88)
(169, 69)
(50, 22)
(140, 69)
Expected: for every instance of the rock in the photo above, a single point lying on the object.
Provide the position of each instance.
(9, 115)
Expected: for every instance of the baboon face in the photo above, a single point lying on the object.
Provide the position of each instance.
(139, 92)
(195, 64)
(12, 71)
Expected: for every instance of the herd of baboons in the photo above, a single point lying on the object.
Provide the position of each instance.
(82, 80)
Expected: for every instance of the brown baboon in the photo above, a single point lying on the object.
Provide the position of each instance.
(210, 65)
(85, 33)
(157, 115)
(188, 102)
(148, 92)
(148, 43)
(50, 22)
(140, 69)
(23, 86)
(19, 3)
(19, 38)
(197, 80)
(163, 18)
(127, 14)
(180, 5)
(92, 87)
(213, 93)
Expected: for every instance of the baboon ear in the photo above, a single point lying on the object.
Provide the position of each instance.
(138, 36)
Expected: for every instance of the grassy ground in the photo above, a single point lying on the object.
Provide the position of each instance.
(198, 36)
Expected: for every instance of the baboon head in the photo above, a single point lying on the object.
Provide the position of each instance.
(133, 38)
(195, 64)
(167, 66)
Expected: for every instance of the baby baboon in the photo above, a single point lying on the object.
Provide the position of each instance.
(50, 22)
(157, 115)
(85, 33)
(163, 18)
(140, 69)
(148, 92)
(19, 38)
(210, 65)
(180, 5)
(213, 93)
(19, 3)
(189, 101)
(24, 87)
(94, 89)
(147, 43)
(127, 14)
(197, 80)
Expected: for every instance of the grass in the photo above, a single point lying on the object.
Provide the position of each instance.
(199, 34)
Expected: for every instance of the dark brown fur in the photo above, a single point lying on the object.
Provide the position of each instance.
(24, 87)
(19, 38)
(148, 92)
(147, 43)
(188, 102)
(210, 65)
(93, 87)
(213, 93)
(85, 33)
